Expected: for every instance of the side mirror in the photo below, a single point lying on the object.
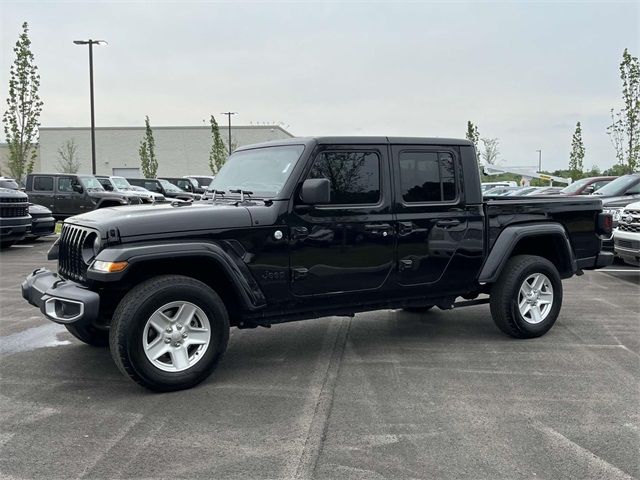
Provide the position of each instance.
(588, 190)
(108, 187)
(77, 188)
(316, 191)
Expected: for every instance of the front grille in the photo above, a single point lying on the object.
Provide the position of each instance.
(14, 211)
(623, 243)
(629, 227)
(71, 263)
(13, 200)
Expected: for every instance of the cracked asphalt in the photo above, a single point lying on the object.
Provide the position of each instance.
(386, 394)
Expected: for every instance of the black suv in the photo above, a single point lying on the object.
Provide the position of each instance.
(15, 221)
(306, 228)
(165, 187)
(68, 194)
(42, 221)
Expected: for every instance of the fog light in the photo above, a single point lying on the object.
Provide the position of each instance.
(109, 267)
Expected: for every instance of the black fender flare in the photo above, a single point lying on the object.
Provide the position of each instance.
(511, 236)
(227, 254)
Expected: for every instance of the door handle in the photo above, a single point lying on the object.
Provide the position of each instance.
(405, 227)
(448, 223)
(299, 232)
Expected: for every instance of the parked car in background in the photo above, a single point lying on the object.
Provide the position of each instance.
(155, 196)
(203, 180)
(499, 191)
(489, 185)
(120, 185)
(42, 221)
(521, 191)
(15, 221)
(185, 183)
(626, 237)
(164, 187)
(68, 194)
(544, 191)
(586, 186)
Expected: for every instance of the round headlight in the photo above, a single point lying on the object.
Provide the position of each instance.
(90, 247)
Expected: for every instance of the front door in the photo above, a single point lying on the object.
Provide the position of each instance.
(432, 219)
(348, 244)
(67, 200)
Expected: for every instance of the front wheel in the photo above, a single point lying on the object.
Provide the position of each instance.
(526, 299)
(169, 333)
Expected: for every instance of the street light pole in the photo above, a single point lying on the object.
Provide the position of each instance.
(228, 114)
(539, 160)
(91, 42)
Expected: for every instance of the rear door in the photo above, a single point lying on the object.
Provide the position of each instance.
(431, 218)
(41, 192)
(347, 245)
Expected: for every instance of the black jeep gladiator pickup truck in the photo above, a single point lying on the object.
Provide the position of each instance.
(306, 228)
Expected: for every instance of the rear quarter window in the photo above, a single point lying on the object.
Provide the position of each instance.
(43, 184)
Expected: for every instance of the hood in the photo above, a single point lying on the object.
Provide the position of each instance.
(38, 209)
(160, 219)
(620, 201)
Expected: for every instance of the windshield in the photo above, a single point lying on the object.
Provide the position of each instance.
(575, 186)
(121, 183)
(170, 187)
(91, 183)
(262, 171)
(618, 186)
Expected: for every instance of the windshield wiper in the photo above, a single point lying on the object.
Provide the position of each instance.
(242, 193)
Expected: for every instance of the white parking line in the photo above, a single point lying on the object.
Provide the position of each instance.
(622, 270)
(22, 246)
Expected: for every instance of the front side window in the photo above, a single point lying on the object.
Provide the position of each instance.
(169, 187)
(427, 177)
(91, 183)
(43, 184)
(64, 184)
(354, 176)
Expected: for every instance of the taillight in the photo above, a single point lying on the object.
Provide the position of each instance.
(604, 224)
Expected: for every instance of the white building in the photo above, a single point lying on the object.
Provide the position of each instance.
(179, 150)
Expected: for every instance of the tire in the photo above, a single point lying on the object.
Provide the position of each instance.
(7, 244)
(508, 293)
(188, 354)
(423, 309)
(89, 334)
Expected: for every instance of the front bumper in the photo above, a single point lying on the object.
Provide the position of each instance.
(627, 245)
(41, 226)
(60, 300)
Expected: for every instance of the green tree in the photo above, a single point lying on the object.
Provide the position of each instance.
(218, 154)
(68, 161)
(624, 130)
(576, 157)
(490, 151)
(147, 153)
(472, 134)
(22, 117)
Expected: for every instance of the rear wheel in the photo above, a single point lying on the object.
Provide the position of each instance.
(526, 299)
(169, 333)
(89, 334)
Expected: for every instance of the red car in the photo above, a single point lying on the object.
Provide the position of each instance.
(586, 186)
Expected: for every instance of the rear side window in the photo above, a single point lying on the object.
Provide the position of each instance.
(43, 184)
(427, 176)
(354, 176)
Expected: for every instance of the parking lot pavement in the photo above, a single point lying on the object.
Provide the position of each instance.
(385, 394)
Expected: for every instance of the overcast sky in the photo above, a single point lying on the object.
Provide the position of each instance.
(524, 72)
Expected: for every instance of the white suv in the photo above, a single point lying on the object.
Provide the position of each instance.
(626, 237)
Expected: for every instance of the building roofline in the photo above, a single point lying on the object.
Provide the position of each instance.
(177, 127)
